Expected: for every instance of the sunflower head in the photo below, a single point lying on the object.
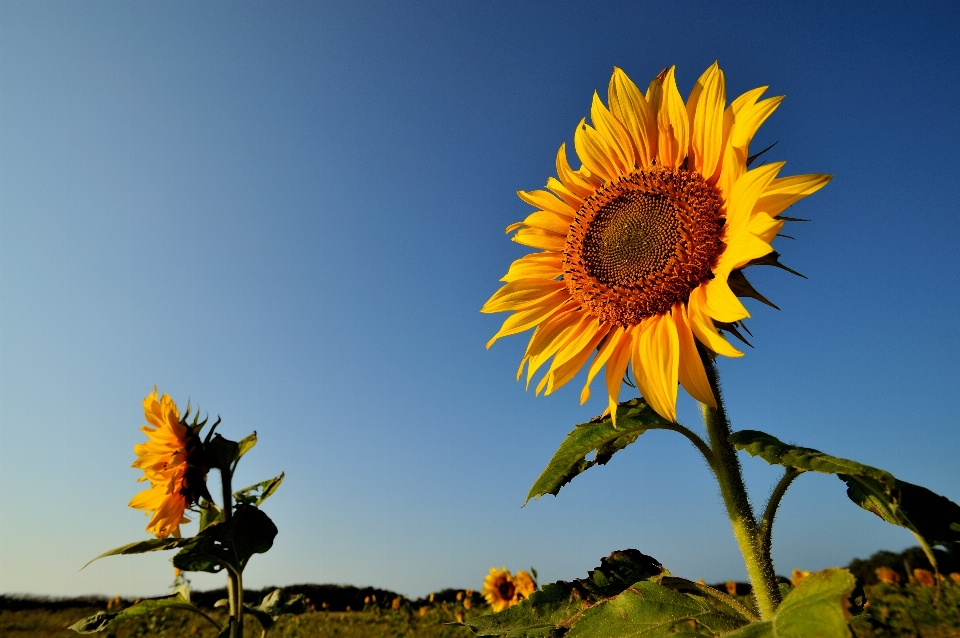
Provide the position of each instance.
(501, 589)
(172, 461)
(641, 249)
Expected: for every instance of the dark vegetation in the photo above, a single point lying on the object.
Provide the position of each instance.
(899, 610)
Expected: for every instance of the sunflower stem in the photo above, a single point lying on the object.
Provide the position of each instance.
(234, 583)
(726, 467)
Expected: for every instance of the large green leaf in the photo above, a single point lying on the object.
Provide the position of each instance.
(102, 620)
(257, 494)
(552, 610)
(141, 547)
(634, 417)
(817, 608)
(228, 544)
(648, 609)
(933, 519)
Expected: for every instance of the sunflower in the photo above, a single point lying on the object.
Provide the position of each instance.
(171, 461)
(499, 589)
(641, 249)
(524, 585)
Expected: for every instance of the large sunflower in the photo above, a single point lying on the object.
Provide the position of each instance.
(642, 247)
(171, 461)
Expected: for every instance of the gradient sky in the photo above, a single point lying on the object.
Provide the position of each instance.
(291, 213)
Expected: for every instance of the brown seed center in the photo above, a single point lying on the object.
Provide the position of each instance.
(642, 243)
(506, 590)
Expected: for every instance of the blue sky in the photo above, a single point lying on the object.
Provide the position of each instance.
(291, 213)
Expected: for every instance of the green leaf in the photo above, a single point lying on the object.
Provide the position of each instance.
(209, 513)
(246, 444)
(141, 547)
(816, 608)
(553, 609)
(649, 609)
(274, 605)
(634, 417)
(102, 620)
(228, 544)
(932, 518)
(257, 494)
(221, 453)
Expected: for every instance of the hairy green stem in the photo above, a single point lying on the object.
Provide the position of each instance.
(693, 438)
(726, 467)
(234, 581)
(766, 522)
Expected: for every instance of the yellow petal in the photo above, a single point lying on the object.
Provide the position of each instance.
(580, 184)
(593, 151)
(535, 266)
(569, 366)
(749, 115)
(613, 338)
(764, 226)
(630, 107)
(721, 303)
(525, 319)
(548, 338)
(545, 220)
(745, 194)
(703, 328)
(786, 191)
(617, 367)
(705, 111)
(548, 201)
(557, 187)
(656, 359)
(740, 250)
(539, 238)
(692, 375)
(615, 136)
(673, 125)
(521, 294)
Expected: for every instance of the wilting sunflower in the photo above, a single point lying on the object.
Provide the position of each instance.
(172, 461)
(642, 247)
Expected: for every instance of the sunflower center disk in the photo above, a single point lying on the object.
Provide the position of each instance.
(642, 243)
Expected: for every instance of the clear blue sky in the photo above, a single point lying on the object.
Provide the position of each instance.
(291, 213)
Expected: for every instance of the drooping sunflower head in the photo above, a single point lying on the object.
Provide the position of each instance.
(172, 461)
(642, 248)
(499, 589)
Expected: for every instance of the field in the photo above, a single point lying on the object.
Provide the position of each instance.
(896, 611)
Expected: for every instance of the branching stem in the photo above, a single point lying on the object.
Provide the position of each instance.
(766, 523)
(726, 467)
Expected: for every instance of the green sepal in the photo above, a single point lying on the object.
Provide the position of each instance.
(634, 417)
(257, 494)
(817, 607)
(553, 609)
(933, 519)
(228, 544)
(142, 547)
(274, 605)
(102, 620)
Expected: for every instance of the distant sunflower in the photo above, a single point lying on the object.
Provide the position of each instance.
(524, 585)
(642, 247)
(499, 589)
(171, 461)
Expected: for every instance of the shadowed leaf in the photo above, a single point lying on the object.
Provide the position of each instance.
(257, 494)
(102, 620)
(228, 544)
(929, 516)
(274, 605)
(141, 547)
(634, 417)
